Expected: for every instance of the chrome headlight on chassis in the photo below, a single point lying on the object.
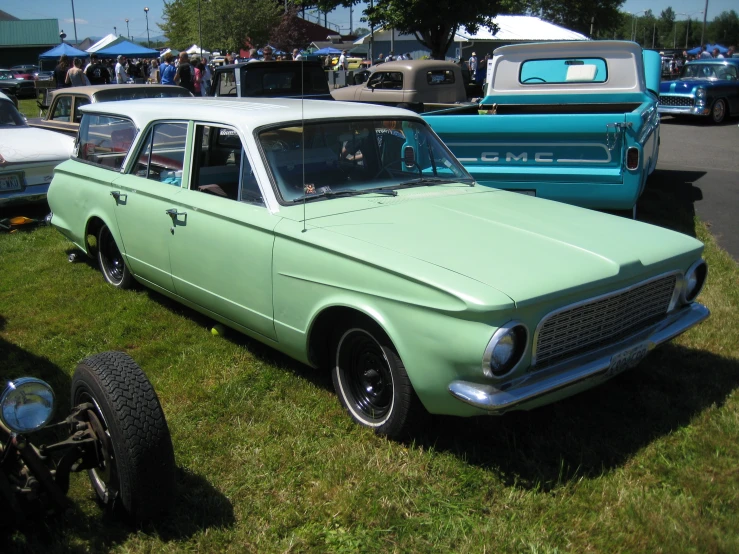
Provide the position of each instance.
(695, 278)
(26, 405)
(505, 350)
(700, 95)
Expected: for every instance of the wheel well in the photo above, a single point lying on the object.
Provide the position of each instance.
(322, 331)
(93, 228)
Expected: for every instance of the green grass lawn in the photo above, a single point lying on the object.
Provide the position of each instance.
(268, 462)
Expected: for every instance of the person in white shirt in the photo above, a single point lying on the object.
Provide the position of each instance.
(297, 56)
(472, 63)
(342, 61)
(121, 77)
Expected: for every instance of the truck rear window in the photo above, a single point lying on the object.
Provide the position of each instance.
(560, 71)
(274, 81)
(440, 77)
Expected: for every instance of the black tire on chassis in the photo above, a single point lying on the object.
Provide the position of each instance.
(718, 111)
(371, 382)
(111, 261)
(138, 471)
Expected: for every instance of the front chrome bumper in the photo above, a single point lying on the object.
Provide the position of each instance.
(683, 110)
(575, 374)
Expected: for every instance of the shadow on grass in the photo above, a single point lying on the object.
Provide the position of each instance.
(669, 200)
(199, 505)
(596, 431)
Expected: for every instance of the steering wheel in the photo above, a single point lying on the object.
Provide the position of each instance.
(532, 78)
(386, 168)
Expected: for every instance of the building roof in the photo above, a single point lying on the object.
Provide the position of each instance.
(511, 28)
(29, 32)
(516, 28)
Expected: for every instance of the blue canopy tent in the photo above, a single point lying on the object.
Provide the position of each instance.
(709, 49)
(61, 49)
(327, 50)
(128, 49)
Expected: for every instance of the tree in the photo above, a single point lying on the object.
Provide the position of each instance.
(290, 32)
(434, 25)
(361, 31)
(224, 23)
(724, 29)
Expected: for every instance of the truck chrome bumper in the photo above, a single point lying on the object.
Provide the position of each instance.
(594, 367)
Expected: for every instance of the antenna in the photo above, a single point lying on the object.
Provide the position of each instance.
(302, 134)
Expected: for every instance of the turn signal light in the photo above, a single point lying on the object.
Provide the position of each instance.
(632, 158)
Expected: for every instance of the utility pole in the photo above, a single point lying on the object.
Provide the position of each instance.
(128, 32)
(148, 40)
(703, 31)
(654, 32)
(74, 21)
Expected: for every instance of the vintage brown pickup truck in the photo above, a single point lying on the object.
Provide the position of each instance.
(419, 85)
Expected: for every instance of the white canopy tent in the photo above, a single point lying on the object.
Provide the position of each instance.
(108, 40)
(195, 49)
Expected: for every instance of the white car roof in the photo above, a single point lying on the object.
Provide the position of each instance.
(246, 113)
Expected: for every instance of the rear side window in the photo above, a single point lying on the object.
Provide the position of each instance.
(440, 77)
(104, 140)
(559, 71)
(275, 81)
(226, 85)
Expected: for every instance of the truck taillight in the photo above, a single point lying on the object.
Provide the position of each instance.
(632, 158)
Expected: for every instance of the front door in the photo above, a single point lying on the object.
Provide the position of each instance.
(221, 252)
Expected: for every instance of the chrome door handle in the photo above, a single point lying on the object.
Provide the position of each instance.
(173, 213)
(118, 196)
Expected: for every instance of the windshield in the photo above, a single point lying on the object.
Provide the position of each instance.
(356, 155)
(709, 71)
(9, 116)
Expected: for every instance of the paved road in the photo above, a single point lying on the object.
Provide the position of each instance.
(706, 156)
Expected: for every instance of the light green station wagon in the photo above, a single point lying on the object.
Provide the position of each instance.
(349, 237)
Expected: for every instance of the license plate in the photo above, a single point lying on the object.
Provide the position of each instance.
(627, 359)
(11, 181)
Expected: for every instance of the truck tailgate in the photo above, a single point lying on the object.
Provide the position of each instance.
(522, 149)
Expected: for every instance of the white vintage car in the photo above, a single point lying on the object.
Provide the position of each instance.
(27, 156)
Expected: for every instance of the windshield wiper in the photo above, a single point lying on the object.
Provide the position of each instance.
(430, 181)
(347, 192)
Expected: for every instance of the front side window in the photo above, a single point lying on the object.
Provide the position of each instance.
(327, 159)
(564, 70)
(162, 153)
(62, 109)
(389, 80)
(226, 84)
(221, 167)
(104, 140)
(79, 101)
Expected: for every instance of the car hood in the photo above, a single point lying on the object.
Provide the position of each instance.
(527, 248)
(30, 145)
(685, 86)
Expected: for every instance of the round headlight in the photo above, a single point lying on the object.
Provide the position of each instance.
(505, 350)
(695, 278)
(700, 92)
(26, 405)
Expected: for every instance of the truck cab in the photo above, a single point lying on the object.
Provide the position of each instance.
(284, 79)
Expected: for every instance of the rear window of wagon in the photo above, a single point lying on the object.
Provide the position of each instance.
(104, 140)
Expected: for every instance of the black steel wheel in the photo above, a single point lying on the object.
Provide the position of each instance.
(371, 382)
(111, 261)
(718, 111)
(136, 472)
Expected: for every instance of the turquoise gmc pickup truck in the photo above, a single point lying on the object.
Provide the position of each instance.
(570, 121)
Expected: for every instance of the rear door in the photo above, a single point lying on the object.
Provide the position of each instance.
(145, 206)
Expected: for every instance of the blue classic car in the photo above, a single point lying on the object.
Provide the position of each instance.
(706, 87)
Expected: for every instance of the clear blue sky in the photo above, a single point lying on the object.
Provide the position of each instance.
(98, 17)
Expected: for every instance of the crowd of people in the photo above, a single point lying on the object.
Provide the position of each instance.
(677, 61)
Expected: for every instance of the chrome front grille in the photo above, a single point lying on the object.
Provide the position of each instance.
(667, 100)
(604, 320)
